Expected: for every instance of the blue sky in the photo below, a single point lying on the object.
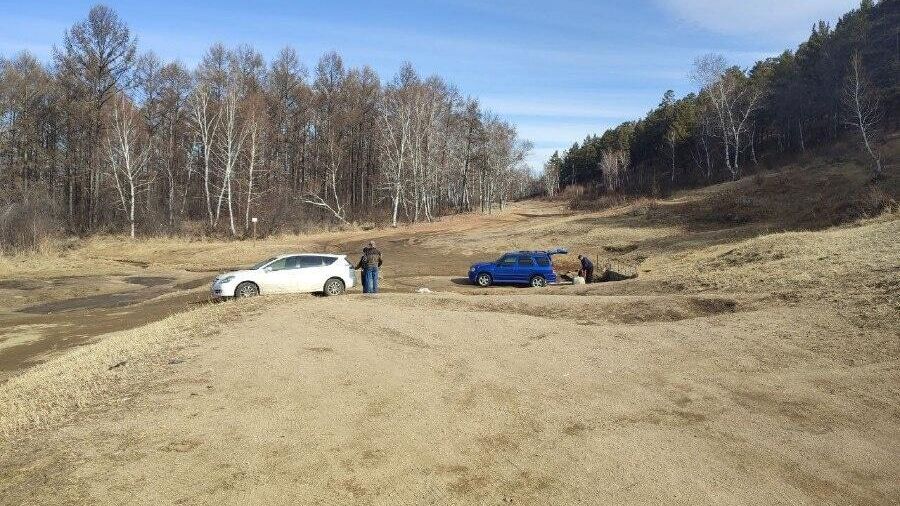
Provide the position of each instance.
(557, 69)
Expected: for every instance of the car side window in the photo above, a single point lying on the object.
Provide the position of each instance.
(542, 261)
(278, 265)
(508, 261)
(293, 262)
(525, 261)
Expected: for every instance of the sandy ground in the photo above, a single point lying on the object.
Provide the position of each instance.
(413, 399)
(741, 366)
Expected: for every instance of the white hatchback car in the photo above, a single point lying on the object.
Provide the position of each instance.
(295, 273)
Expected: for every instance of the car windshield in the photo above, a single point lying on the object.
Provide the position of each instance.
(261, 264)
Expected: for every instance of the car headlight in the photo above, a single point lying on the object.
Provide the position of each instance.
(226, 279)
(472, 269)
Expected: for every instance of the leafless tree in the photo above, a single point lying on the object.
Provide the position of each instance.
(550, 177)
(332, 132)
(614, 165)
(200, 144)
(206, 123)
(733, 99)
(231, 144)
(862, 110)
(128, 149)
(174, 100)
(396, 118)
(256, 146)
(95, 62)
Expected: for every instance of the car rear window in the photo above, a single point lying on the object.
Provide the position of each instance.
(310, 261)
(542, 261)
(525, 261)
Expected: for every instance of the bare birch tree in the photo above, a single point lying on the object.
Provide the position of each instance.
(255, 139)
(188, 147)
(733, 99)
(128, 149)
(614, 166)
(231, 143)
(206, 124)
(397, 119)
(862, 110)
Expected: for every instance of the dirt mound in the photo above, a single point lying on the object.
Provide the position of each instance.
(596, 310)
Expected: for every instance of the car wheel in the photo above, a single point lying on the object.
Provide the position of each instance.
(484, 279)
(334, 286)
(538, 281)
(246, 289)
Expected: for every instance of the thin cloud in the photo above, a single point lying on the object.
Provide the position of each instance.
(742, 17)
(604, 107)
(562, 134)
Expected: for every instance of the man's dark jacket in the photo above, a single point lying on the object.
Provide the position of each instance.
(371, 258)
(586, 264)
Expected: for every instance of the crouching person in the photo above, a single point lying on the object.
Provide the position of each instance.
(369, 264)
(587, 269)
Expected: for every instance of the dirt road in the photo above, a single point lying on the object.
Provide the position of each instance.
(50, 305)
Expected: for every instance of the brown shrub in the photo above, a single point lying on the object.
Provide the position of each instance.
(592, 199)
(26, 226)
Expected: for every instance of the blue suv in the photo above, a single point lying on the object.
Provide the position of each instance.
(532, 268)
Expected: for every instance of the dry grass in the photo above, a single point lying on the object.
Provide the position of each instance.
(56, 389)
(853, 266)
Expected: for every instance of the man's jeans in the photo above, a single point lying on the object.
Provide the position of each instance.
(370, 280)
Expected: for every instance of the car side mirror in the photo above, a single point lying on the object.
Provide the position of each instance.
(267, 269)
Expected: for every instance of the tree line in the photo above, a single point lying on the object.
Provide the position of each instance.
(106, 138)
(841, 82)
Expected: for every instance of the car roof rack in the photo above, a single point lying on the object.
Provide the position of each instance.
(550, 252)
(309, 253)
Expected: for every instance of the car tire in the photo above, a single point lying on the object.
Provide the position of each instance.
(538, 281)
(246, 289)
(334, 286)
(484, 280)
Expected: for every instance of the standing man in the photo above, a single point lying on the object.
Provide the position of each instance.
(587, 269)
(369, 264)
